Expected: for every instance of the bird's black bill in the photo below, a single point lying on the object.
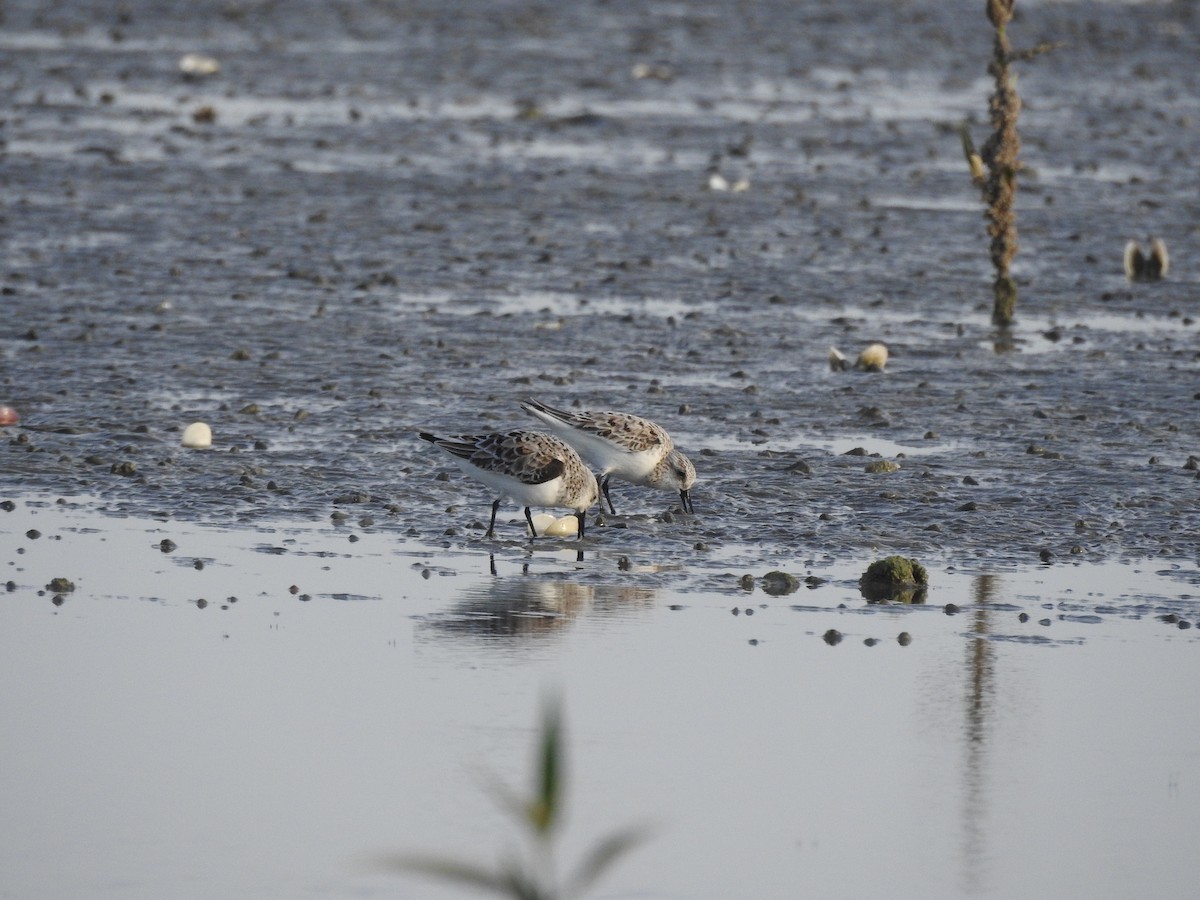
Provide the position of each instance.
(685, 499)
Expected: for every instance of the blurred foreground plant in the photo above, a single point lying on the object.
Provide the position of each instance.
(538, 816)
(994, 168)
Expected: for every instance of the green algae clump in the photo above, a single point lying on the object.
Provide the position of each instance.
(894, 578)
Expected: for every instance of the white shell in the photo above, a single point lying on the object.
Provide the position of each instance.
(550, 526)
(198, 65)
(197, 436)
(874, 358)
(564, 527)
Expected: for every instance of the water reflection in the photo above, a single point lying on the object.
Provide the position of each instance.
(531, 606)
(979, 711)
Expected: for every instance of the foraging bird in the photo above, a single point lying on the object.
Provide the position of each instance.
(622, 445)
(873, 358)
(531, 468)
(1148, 267)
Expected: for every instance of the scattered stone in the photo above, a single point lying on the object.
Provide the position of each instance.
(881, 467)
(60, 586)
(904, 639)
(166, 545)
(832, 637)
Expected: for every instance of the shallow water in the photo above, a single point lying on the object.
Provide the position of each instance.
(407, 217)
(334, 700)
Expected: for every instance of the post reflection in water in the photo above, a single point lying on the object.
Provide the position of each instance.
(529, 606)
(980, 693)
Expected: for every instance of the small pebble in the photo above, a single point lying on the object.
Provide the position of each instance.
(904, 639)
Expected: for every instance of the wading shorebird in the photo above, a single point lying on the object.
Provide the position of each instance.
(530, 468)
(624, 446)
(1149, 266)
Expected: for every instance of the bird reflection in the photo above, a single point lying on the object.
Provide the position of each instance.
(529, 606)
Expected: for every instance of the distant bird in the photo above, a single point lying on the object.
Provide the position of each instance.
(624, 446)
(873, 358)
(531, 468)
(1149, 267)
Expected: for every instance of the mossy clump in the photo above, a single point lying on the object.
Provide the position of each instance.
(779, 583)
(60, 586)
(894, 578)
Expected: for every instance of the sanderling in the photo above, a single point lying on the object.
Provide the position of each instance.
(622, 446)
(1146, 267)
(531, 468)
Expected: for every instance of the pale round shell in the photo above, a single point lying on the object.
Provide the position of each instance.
(197, 436)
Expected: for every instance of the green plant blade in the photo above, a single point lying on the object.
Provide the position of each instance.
(510, 881)
(603, 855)
(544, 810)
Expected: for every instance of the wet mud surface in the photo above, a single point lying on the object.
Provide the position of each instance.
(382, 218)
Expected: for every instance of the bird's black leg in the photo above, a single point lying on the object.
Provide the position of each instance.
(581, 515)
(529, 519)
(492, 527)
(604, 488)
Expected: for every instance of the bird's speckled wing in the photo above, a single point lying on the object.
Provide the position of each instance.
(530, 457)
